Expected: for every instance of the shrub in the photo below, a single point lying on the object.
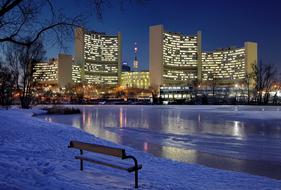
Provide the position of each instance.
(62, 110)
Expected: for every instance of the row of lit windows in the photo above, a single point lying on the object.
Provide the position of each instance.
(45, 72)
(179, 75)
(101, 68)
(180, 50)
(225, 64)
(100, 48)
(101, 79)
(76, 73)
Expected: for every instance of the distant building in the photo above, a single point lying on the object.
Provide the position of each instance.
(125, 67)
(175, 59)
(135, 79)
(99, 57)
(229, 66)
(57, 71)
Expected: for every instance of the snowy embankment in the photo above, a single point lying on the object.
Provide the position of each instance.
(34, 155)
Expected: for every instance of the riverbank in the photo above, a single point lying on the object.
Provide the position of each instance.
(34, 155)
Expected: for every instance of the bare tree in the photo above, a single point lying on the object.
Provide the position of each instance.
(249, 77)
(213, 83)
(28, 22)
(7, 84)
(21, 60)
(195, 85)
(265, 76)
(25, 21)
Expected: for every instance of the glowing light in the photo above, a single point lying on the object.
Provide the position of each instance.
(236, 129)
(121, 117)
(145, 146)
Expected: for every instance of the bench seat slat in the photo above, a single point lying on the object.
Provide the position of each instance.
(101, 162)
(117, 152)
(129, 169)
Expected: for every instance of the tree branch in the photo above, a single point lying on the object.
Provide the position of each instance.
(38, 34)
(9, 6)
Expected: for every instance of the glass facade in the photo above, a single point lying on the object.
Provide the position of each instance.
(224, 65)
(180, 58)
(46, 72)
(101, 58)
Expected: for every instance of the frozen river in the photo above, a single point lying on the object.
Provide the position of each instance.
(239, 138)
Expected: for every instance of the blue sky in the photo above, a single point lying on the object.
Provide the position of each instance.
(223, 23)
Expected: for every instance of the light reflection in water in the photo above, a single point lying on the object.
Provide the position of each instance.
(180, 154)
(157, 127)
(90, 122)
(76, 123)
(238, 129)
(121, 117)
(49, 119)
(145, 146)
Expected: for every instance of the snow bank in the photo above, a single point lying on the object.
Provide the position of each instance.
(34, 155)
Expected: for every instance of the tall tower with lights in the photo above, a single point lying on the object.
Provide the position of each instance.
(136, 62)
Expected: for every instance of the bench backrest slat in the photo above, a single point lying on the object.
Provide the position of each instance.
(117, 152)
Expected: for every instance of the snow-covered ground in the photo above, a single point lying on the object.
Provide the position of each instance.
(34, 155)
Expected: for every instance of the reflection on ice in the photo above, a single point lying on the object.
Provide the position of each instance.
(76, 123)
(186, 133)
(238, 129)
(145, 146)
(179, 154)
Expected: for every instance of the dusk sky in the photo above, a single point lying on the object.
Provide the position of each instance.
(223, 24)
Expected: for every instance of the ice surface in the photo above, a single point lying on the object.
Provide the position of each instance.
(241, 132)
(34, 155)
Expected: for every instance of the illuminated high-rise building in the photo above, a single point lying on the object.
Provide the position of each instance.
(57, 71)
(99, 56)
(175, 59)
(229, 65)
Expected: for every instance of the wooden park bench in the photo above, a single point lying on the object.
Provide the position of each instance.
(105, 150)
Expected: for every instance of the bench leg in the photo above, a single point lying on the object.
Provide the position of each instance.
(81, 161)
(136, 179)
(81, 165)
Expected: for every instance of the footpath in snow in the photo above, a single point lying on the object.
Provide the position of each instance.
(34, 155)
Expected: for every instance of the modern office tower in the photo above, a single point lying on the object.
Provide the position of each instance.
(46, 72)
(99, 56)
(175, 59)
(64, 69)
(135, 79)
(229, 66)
(56, 71)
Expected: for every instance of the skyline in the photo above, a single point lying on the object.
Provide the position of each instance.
(222, 25)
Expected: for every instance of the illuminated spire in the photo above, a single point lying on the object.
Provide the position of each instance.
(136, 62)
